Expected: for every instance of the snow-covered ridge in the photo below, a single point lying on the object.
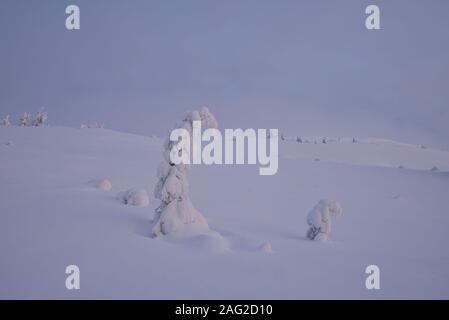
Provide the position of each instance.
(375, 152)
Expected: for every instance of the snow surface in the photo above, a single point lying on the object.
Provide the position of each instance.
(396, 218)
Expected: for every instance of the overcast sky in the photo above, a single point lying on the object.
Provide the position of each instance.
(305, 67)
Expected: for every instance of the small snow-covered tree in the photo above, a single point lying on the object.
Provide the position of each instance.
(5, 121)
(319, 219)
(41, 117)
(25, 120)
(96, 125)
(176, 210)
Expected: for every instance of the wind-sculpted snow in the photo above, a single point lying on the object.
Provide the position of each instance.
(49, 218)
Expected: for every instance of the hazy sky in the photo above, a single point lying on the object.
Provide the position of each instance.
(305, 67)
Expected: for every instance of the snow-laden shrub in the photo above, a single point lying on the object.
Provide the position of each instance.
(319, 219)
(25, 120)
(134, 197)
(41, 118)
(96, 125)
(102, 184)
(5, 121)
(176, 210)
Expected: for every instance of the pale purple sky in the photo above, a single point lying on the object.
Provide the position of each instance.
(305, 67)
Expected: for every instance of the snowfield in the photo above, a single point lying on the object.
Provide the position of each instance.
(59, 206)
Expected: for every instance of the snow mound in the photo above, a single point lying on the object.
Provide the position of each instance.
(134, 197)
(198, 238)
(102, 184)
(266, 247)
(176, 216)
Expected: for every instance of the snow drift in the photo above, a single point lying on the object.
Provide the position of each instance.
(134, 197)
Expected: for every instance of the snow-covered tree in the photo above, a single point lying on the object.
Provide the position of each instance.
(319, 219)
(5, 121)
(41, 117)
(176, 210)
(25, 120)
(298, 139)
(96, 125)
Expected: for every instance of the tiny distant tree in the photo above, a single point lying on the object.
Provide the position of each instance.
(41, 118)
(25, 120)
(96, 125)
(5, 121)
(298, 139)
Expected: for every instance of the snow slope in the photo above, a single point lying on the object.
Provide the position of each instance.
(395, 215)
